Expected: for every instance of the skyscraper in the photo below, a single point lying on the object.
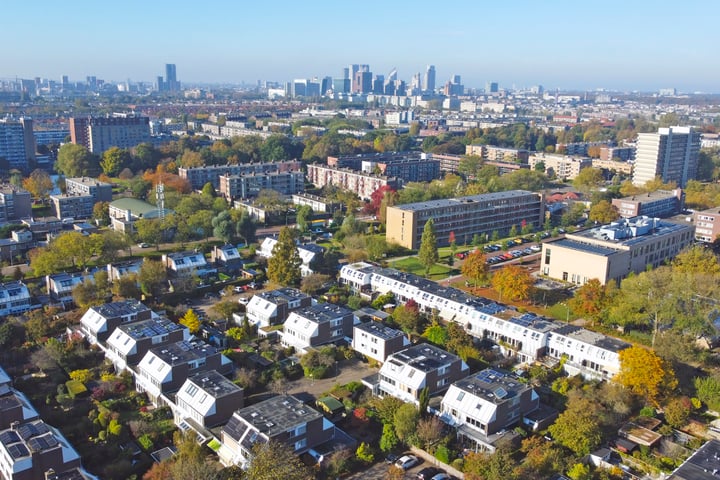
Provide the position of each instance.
(429, 84)
(670, 154)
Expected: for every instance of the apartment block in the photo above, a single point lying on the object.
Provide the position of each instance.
(17, 143)
(707, 225)
(199, 176)
(15, 203)
(464, 217)
(626, 168)
(72, 206)
(498, 154)
(317, 203)
(360, 183)
(98, 134)
(560, 166)
(670, 154)
(246, 186)
(613, 251)
(100, 191)
(617, 153)
(658, 204)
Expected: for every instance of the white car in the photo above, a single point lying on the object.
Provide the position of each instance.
(406, 461)
(243, 300)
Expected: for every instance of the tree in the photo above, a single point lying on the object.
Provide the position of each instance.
(405, 421)
(588, 179)
(406, 317)
(388, 440)
(696, 260)
(312, 283)
(579, 471)
(303, 213)
(644, 373)
(274, 461)
(590, 300)
(376, 247)
(200, 223)
(577, 428)
(513, 283)
(113, 160)
(708, 391)
(603, 212)
(246, 228)
(191, 321)
(126, 287)
(475, 267)
(284, 264)
(149, 231)
(223, 227)
(365, 454)
(429, 431)
(428, 253)
(39, 184)
(486, 466)
(75, 161)
(152, 277)
(677, 411)
(101, 213)
(436, 334)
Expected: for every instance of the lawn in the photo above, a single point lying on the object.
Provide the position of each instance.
(413, 265)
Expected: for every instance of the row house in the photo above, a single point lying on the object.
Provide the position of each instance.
(309, 253)
(14, 405)
(406, 373)
(227, 257)
(15, 298)
(98, 322)
(129, 343)
(273, 307)
(184, 264)
(283, 419)
(164, 369)
(377, 341)
(482, 407)
(317, 325)
(206, 399)
(118, 270)
(60, 286)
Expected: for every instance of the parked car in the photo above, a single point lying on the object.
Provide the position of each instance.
(391, 458)
(243, 300)
(536, 248)
(441, 476)
(427, 473)
(407, 461)
(238, 289)
(144, 245)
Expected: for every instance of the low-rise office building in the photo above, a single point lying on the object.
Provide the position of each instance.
(613, 251)
(465, 217)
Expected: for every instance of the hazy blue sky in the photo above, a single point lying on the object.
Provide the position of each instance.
(567, 44)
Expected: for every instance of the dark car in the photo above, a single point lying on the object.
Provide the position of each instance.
(427, 473)
(391, 458)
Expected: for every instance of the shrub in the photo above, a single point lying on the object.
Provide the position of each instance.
(75, 388)
(647, 412)
(442, 453)
(146, 442)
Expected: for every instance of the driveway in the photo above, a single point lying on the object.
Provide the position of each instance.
(347, 371)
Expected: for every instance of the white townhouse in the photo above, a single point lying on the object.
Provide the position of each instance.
(308, 252)
(273, 307)
(377, 341)
(319, 324)
(98, 322)
(15, 298)
(206, 399)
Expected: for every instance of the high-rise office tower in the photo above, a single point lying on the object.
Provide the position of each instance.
(429, 84)
(491, 87)
(171, 81)
(670, 154)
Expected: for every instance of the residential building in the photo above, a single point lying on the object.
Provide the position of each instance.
(707, 225)
(587, 352)
(15, 203)
(274, 306)
(72, 206)
(317, 325)
(199, 176)
(98, 134)
(43, 228)
(17, 143)
(407, 372)
(579, 148)
(317, 203)
(226, 257)
(100, 191)
(15, 299)
(560, 166)
(377, 341)
(625, 168)
(185, 263)
(129, 343)
(613, 251)
(125, 211)
(164, 369)
(118, 270)
(20, 242)
(14, 405)
(283, 419)
(60, 286)
(98, 322)
(483, 406)
(207, 399)
(451, 163)
(658, 204)
(525, 337)
(309, 253)
(498, 154)
(28, 450)
(670, 154)
(247, 186)
(703, 464)
(360, 183)
(623, 154)
(407, 166)
(465, 217)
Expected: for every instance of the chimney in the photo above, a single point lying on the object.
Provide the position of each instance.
(50, 475)
(14, 425)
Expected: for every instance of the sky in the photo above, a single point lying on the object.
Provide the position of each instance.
(616, 45)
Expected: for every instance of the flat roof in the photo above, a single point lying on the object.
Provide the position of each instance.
(278, 414)
(424, 357)
(628, 231)
(492, 385)
(449, 202)
(119, 309)
(150, 328)
(184, 351)
(214, 384)
(380, 330)
(282, 295)
(702, 465)
(583, 247)
(592, 338)
(323, 312)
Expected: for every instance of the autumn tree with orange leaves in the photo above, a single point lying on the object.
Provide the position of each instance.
(475, 267)
(644, 373)
(170, 180)
(513, 283)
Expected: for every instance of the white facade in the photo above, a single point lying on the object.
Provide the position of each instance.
(185, 263)
(307, 253)
(377, 341)
(14, 298)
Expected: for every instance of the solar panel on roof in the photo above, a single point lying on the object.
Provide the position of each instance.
(18, 451)
(9, 437)
(500, 392)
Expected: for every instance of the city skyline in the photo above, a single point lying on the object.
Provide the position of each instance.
(622, 46)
